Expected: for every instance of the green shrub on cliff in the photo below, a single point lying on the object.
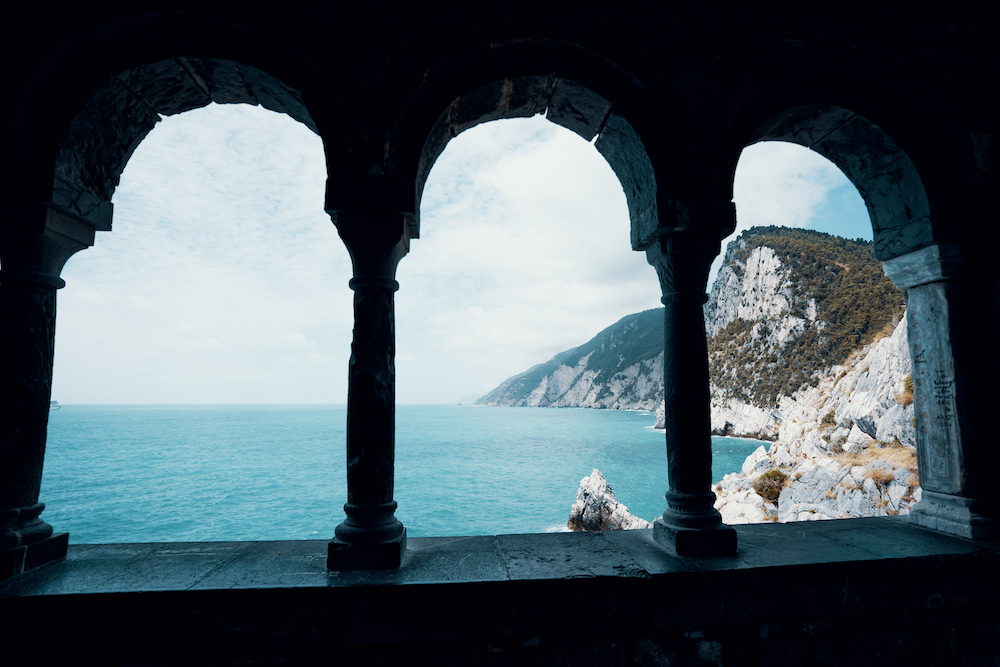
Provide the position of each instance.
(769, 485)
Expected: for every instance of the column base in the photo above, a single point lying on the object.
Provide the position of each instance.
(20, 559)
(971, 518)
(685, 541)
(366, 556)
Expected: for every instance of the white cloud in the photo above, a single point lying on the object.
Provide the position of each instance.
(224, 280)
(219, 224)
(788, 185)
(782, 184)
(519, 260)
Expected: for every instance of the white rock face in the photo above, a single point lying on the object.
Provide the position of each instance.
(763, 293)
(575, 387)
(597, 509)
(556, 384)
(861, 399)
(738, 418)
(861, 394)
(817, 487)
(629, 389)
(597, 374)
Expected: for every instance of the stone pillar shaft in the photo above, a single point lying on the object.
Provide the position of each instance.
(686, 397)
(34, 249)
(371, 537)
(949, 337)
(690, 526)
(27, 343)
(371, 404)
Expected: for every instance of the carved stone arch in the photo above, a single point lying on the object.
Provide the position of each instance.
(574, 87)
(878, 167)
(97, 144)
(82, 110)
(567, 103)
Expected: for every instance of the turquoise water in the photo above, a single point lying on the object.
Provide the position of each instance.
(249, 472)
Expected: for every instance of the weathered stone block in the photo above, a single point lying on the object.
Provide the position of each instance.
(372, 556)
(720, 541)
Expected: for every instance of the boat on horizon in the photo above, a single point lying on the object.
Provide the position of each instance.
(54, 405)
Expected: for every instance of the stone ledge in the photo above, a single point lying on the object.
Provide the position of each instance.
(180, 566)
(503, 595)
(14, 562)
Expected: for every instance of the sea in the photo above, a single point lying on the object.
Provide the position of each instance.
(172, 473)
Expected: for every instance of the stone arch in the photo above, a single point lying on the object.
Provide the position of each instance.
(878, 167)
(572, 87)
(104, 81)
(918, 255)
(679, 232)
(566, 103)
(97, 144)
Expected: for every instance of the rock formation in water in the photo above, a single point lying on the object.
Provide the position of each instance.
(596, 508)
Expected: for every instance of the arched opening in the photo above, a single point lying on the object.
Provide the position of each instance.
(883, 174)
(597, 120)
(101, 137)
(524, 254)
(223, 283)
(423, 133)
(213, 290)
(809, 325)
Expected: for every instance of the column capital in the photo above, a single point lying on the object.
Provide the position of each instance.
(682, 261)
(671, 214)
(376, 242)
(929, 264)
(40, 257)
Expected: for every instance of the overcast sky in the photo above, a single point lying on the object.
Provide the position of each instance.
(224, 280)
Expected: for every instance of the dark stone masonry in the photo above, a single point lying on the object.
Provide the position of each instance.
(898, 97)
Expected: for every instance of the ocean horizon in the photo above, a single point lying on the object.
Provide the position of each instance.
(223, 472)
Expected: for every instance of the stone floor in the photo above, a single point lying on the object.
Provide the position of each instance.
(490, 599)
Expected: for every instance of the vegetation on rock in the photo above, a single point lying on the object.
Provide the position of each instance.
(837, 292)
(769, 485)
(905, 397)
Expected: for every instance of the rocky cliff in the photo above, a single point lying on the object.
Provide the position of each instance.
(843, 448)
(807, 348)
(788, 312)
(621, 368)
(786, 306)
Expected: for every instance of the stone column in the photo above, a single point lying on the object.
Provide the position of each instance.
(951, 343)
(371, 537)
(28, 283)
(690, 526)
(27, 342)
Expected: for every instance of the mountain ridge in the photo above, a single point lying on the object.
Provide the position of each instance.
(601, 373)
(807, 347)
(786, 305)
